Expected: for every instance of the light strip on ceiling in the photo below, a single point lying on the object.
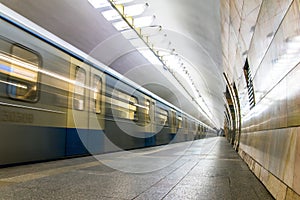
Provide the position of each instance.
(121, 1)
(130, 11)
(135, 10)
(148, 54)
(143, 21)
(121, 25)
(99, 3)
(128, 14)
(104, 3)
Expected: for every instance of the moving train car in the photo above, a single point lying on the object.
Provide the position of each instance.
(55, 102)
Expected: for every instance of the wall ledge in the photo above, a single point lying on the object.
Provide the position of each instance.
(277, 188)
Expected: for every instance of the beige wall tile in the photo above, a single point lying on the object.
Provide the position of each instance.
(276, 187)
(293, 98)
(296, 184)
(291, 195)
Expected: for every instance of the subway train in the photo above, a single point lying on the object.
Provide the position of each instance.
(56, 102)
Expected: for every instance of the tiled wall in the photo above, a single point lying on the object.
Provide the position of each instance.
(267, 33)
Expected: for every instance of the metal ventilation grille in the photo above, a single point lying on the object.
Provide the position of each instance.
(249, 82)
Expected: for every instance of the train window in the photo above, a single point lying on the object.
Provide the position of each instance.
(133, 108)
(191, 125)
(179, 122)
(78, 99)
(22, 68)
(96, 102)
(147, 117)
(162, 116)
(124, 106)
(154, 112)
(173, 117)
(185, 123)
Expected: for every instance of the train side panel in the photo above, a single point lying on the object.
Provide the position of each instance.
(123, 124)
(86, 110)
(32, 123)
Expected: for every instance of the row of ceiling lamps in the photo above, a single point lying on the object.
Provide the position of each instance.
(139, 30)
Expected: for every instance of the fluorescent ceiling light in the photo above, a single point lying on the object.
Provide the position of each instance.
(121, 1)
(172, 61)
(99, 3)
(105, 3)
(133, 38)
(162, 53)
(143, 21)
(129, 34)
(138, 43)
(131, 11)
(111, 15)
(135, 10)
(151, 30)
(203, 105)
(149, 55)
(121, 25)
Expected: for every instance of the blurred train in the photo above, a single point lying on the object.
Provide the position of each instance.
(55, 102)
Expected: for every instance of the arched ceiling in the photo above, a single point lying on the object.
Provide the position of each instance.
(191, 28)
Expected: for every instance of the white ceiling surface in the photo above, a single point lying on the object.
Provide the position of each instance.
(192, 27)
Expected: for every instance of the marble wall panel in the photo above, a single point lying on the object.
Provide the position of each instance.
(293, 97)
(249, 8)
(274, 150)
(249, 18)
(243, 95)
(225, 20)
(235, 16)
(280, 57)
(270, 17)
(238, 4)
(288, 166)
(224, 41)
(296, 181)
(278, 107)
(232, 46)
(291, 195)
(270, 82)
(239, 63)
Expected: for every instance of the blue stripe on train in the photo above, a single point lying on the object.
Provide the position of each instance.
(150, 139)
(31, 143)
(83, 142)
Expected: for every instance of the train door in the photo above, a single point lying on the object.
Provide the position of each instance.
(150, 139)
(173, 127)
(190, 127)
(162, 124)
(186, 129)
(181, 136)
(96, 112)
(78, 106)
(152, 116)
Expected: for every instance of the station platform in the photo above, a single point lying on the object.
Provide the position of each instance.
(202, 169)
